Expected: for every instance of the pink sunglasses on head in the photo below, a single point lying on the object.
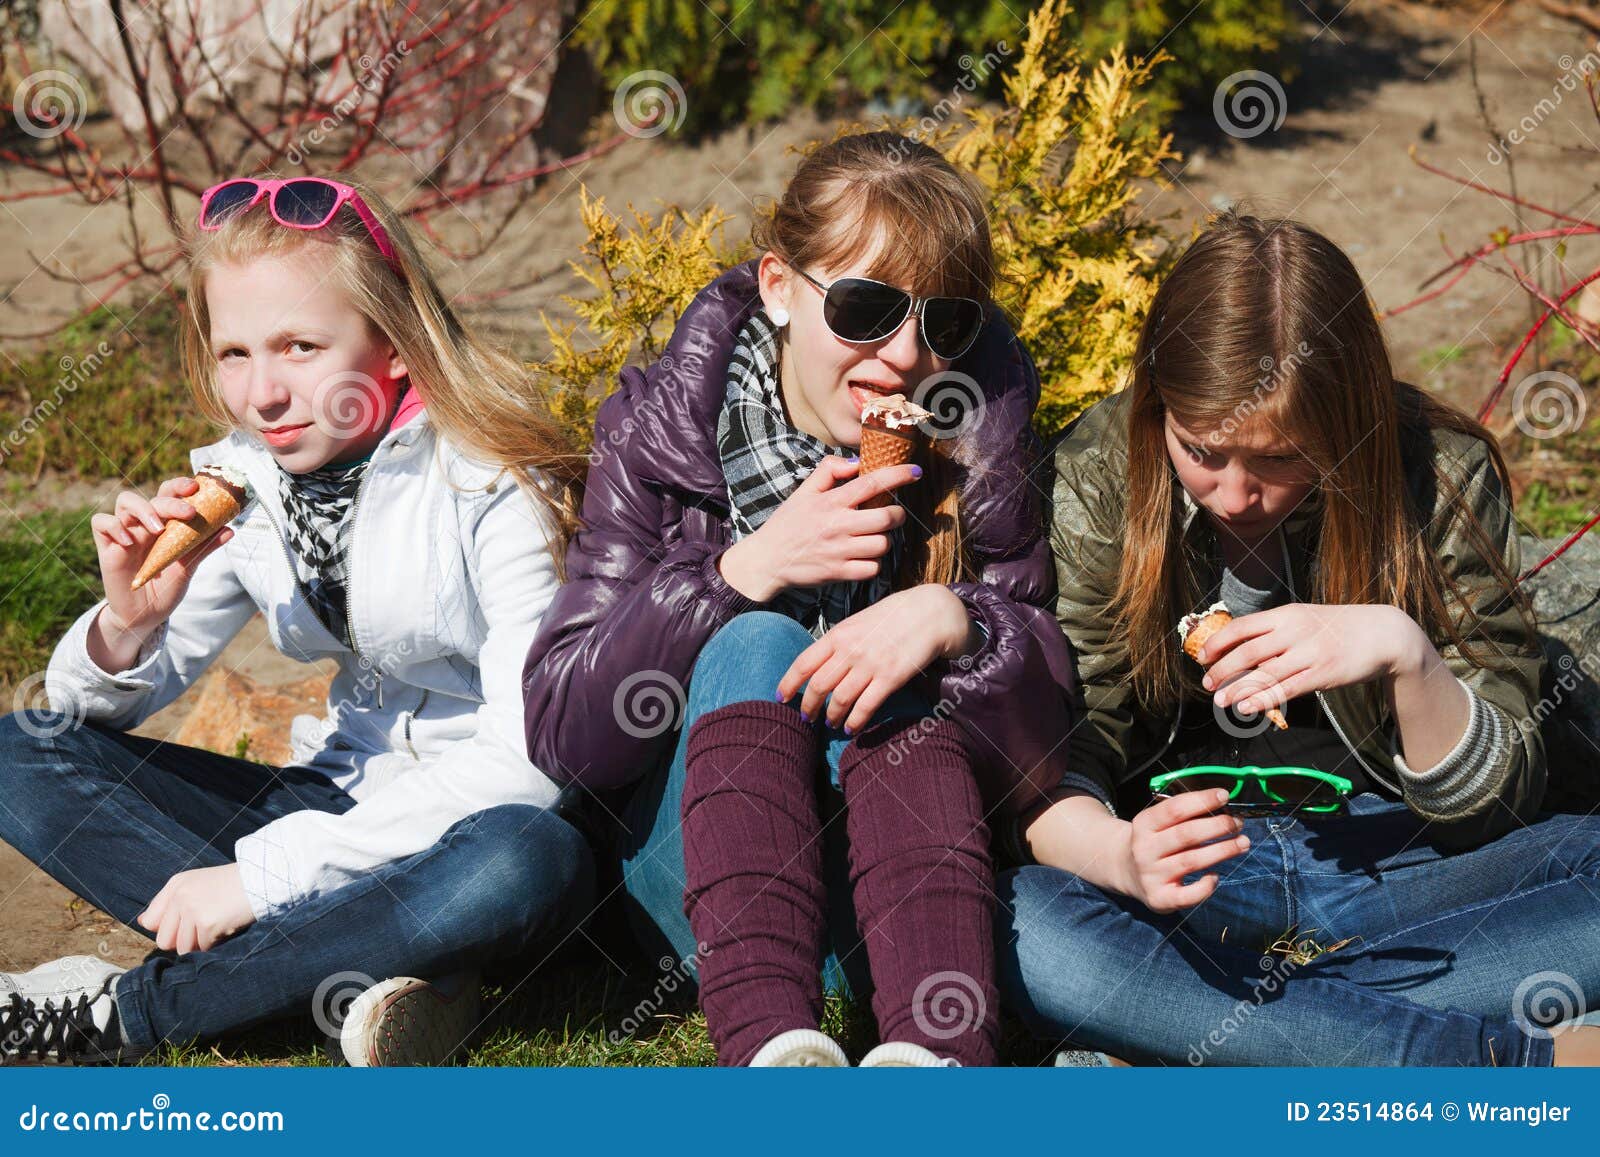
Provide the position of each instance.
(298, 202)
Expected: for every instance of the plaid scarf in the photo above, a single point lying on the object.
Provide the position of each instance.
(764, 459)
(318, 504)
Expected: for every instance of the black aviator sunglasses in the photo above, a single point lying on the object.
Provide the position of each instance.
(859, 310)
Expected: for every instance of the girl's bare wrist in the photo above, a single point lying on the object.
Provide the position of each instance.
(1415, 655)
(740, 572)
(112, 646)
(120, 635)
(1078, 835)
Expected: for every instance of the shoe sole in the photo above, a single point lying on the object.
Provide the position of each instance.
(407, 1022)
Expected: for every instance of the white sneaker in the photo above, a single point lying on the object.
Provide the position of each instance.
(62, 1012)
(406, 1021)
(902, 1054)
(801, 1048)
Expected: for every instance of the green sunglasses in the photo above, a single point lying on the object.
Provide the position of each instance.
(1269, 790)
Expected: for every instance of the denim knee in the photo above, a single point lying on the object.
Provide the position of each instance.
(23, 733)
(744, 660)
(522, 862)
(1055, 968)
(756, 632)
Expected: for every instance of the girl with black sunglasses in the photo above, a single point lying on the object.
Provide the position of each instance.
(849, 675)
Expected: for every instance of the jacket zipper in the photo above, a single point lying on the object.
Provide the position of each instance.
(350, 584)
(411, 717)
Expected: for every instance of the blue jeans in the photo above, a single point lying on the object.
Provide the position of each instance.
(114, 816)
(1456, 958)
(742, 662)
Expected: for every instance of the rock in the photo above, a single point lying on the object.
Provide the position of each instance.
(1566, 598)
(230, 706)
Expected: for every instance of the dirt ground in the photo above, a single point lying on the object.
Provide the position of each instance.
(1375, 82)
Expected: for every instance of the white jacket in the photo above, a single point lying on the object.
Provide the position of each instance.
(448, 581)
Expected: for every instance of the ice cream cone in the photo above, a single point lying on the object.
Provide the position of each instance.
(218, 501)
(1196, 629)
(1210, 623)
(890, 436)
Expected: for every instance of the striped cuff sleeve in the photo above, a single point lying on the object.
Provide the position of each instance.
(1090, 785)
(1479, 759)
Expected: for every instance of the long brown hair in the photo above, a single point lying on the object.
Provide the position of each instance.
(930, 221)
(480, 398)
(1268, 321)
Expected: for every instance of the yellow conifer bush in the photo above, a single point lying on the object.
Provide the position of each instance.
(644, 274)
(1064, 160)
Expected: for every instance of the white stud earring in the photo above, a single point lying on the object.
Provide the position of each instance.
(780, 317)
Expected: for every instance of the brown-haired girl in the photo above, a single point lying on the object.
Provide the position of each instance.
(1361, 534)
(865, 685)
(407, 515)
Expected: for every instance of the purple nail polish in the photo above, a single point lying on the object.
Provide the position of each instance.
(804, 718)
(848, 730)
(854, 459)
(916, 471)
(779, 698)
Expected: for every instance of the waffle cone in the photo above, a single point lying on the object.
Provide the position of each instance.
(881, 448)
(215, 506)
(1203, 630)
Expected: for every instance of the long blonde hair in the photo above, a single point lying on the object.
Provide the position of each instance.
(1267, 320)
(482, 399)
(844, 197)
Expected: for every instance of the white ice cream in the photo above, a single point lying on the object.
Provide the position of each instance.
(231, 476)
(894, 411)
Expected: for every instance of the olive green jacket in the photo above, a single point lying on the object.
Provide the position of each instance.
(1116, 738)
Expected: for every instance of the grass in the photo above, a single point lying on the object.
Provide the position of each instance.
(48, 576)
(103, 398)
(1552, 510)
(1440, 356)
(577, 1010)
(1554, 477)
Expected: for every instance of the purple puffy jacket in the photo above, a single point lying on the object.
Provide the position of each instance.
(643, 592)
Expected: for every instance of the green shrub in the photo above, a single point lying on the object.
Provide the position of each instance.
(738, 60)
(1208, 40)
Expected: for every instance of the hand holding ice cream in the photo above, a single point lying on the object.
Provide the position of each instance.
(148, 550)
(833, 528)
(1195, 628)
(220, 494)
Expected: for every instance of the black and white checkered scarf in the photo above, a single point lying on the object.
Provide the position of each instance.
(764, 460)
(318, 504)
